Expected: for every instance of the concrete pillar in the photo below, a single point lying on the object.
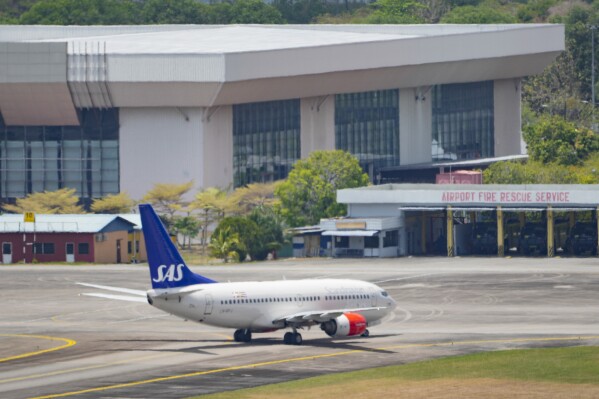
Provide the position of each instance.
(500, 248)
(449, 214)
(507, 117)
(550, 248)
(317, 124)
(403, 234)
(423, 233)
(597, 219)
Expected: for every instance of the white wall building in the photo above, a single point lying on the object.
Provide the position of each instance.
(119, 108)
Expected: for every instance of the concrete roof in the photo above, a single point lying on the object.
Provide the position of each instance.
(86, 223)
(475, 195)
(205, 66)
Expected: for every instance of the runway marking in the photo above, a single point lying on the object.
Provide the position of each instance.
(313, 357)
(403, 278)
(83, 368)
(68, 343)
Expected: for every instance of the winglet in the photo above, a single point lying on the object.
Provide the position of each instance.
(167, 267)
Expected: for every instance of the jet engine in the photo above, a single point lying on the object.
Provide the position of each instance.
(346, 325)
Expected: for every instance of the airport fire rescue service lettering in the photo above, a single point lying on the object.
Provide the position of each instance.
(520, 197)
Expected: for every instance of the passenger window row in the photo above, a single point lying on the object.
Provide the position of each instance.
(291, 299)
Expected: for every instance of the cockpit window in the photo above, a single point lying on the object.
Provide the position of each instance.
(384, 293)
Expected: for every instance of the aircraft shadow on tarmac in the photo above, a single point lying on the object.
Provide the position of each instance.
(347, 345)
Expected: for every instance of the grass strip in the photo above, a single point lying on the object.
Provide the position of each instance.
(566, 365)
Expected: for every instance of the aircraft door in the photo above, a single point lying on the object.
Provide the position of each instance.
(209, 304)
(7, 252)
(70, 250)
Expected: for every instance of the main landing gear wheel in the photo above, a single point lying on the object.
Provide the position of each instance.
(242, 335)
(366, 334)
(292, 338)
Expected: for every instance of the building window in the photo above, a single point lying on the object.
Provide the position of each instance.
(83, 248)
(47, 158)
(391, 238)
(129, 247)
(367, 126)
(45, 248)
(266, 140)
(371, 242)
(342, 242)
(463, 122)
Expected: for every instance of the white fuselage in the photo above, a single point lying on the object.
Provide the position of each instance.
(260, 306)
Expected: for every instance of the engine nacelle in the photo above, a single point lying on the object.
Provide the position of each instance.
(346, 325)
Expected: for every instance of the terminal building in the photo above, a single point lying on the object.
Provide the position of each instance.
(105, 109)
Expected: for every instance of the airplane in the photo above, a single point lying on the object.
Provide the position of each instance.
(340, 307)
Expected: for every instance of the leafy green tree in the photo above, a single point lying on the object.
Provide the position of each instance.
(174, 12)
(82, 12)
(10, 10)
(302, 11)
(553, 139)
(213, 203)
(63, 201)
(188, 227)
(433, 10)
(167, 198)
(535, 10)
(396, 12)
(253, 195)
(113, 203)
(477, 15)
(224, 245)
(247, 231)
(310, 191)
(271, 231)
(557, 91)
(578, 43)
(244, 12)
(513, 172)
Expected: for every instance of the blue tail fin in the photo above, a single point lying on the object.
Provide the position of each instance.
(167, 268)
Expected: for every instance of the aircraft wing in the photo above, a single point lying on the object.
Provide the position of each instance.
(116, 289)
(118, 297)
(320, 316)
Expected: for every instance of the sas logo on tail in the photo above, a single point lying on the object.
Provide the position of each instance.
(170, 273)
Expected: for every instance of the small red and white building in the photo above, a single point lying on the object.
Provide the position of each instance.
(89, 238)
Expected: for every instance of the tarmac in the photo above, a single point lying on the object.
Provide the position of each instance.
(55, 343)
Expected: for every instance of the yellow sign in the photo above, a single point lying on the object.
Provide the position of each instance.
(350, 225)
(29, 217)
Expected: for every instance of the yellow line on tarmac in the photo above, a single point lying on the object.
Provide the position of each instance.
(299, 359)
(68, 342)
(82, 368)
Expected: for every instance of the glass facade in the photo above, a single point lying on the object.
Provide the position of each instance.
(367, 126)
(463, 125)
(47, 158)
(266, 140)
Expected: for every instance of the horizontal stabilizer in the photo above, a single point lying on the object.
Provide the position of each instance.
(116, 289)
(119, 297)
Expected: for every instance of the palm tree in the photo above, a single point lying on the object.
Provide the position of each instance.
(223, 245)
